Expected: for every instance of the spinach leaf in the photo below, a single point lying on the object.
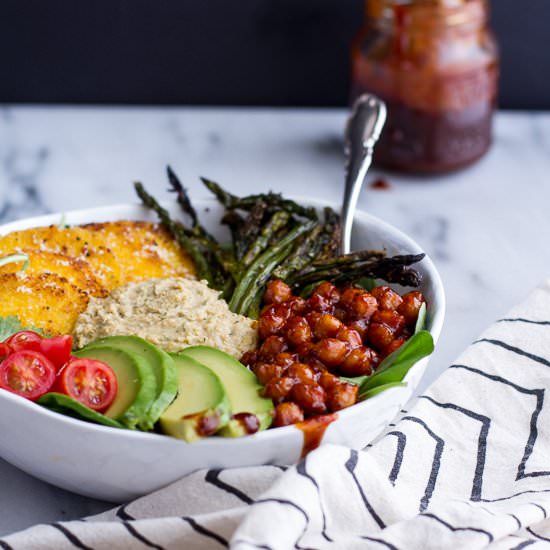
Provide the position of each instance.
(379, 389)
(366, 283)
(396, 365)
(421, 320)
(64, 404)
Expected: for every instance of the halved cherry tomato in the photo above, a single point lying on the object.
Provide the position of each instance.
(24, 339)
(4, 351)
(89, 381)
(57, 349)
(27, 373)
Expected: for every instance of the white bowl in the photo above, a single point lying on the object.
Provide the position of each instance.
(119, 465)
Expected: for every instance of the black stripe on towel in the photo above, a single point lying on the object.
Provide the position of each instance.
(5, 545)
(136, 534)
(301, 469)
(521, 320)
(481, 442)
(398, 460)
(536, 535)
(436, 462)
(544, 513)
(533, 430)
(454, 529)
(523, 544)
(70, 536)
(213, 477)
(521, 493)
(380, 541)
(514, 349)
(350, 467)
(204, 531)
(517, 520)
(122, 514)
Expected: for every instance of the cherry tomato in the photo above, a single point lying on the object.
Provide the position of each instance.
(24, 340)
(27, 373)
(4, 351)
(89, 381)
(58, 349)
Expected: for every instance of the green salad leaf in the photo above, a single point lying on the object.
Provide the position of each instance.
(11, 324)
(366, 283)
(421, 320)
(395, 366)
(64, 404)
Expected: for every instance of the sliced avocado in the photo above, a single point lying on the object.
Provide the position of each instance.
(241, 386)
(137, 385)
(59, 402)
(201, 407)
(161, 364)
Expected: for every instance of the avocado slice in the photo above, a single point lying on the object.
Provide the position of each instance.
(241, 386)
(137, 386)
(201, 407)
(160, 363)
(61, 403)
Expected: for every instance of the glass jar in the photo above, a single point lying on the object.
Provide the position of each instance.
(435, 63)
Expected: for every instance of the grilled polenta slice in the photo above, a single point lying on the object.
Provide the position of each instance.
(77, 272)
(47, 301)
(118, 252)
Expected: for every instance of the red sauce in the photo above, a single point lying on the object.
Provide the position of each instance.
(435, 64)
(380, 184)
(248, 421)
(314, 430)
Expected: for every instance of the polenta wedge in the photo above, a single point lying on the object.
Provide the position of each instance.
(118, 252)
(77, 272)
(46, 301)
(68, 265)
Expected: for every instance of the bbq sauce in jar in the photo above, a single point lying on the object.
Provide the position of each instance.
(435, 63)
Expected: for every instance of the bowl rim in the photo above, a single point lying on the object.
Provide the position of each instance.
(281, 432)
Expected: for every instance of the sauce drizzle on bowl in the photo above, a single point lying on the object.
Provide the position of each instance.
(314, 430)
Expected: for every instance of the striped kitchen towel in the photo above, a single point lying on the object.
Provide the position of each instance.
(466, 466)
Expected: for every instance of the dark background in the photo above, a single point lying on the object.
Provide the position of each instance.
(222, 52)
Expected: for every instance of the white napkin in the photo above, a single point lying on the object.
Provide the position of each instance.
(467, 466)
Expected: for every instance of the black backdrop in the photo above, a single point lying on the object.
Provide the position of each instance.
(240, 52)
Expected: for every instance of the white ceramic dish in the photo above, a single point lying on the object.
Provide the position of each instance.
(118, 465)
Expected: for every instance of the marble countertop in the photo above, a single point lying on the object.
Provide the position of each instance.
(484, 227)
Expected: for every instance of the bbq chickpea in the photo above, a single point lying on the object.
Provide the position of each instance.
(278, 389)
(297, 330)
(384, 327)
(328, 291)
(265, 372)
(342, 395)
(271, 347)
(285, 359)
(359, 361)
(326, 326)
(361, 326)
(363, 306)
(319, 303)
(348, 296)
(412, 302)
(272, 320)
(349, 336)
(287, 414)
(310, 397)
(394, 346)
(327, 380)
(301, 373)
(277, 292)
(330, 351)
(387, 298)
